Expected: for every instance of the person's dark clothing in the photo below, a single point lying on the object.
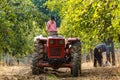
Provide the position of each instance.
(98, 53)
(102, 48)
(97, 57)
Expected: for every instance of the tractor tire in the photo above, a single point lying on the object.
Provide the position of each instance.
(76, 53)
(75, 68)
(37, 57)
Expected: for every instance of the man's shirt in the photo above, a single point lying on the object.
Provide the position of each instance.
(103, 48)
(51, 26)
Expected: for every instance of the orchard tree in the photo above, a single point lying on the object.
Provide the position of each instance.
(20, 21)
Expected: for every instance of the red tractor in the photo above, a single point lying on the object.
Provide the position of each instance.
(57, 52)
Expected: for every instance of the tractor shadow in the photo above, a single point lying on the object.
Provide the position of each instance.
(61, 73)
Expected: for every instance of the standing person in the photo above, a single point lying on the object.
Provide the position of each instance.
(51, 27)
(99, 49)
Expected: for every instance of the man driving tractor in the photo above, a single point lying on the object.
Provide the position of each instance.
(51, 27)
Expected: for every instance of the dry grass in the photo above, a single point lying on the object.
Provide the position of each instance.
(88, 73)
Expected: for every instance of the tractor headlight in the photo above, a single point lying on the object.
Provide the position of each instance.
(61, 42)
(52, 41)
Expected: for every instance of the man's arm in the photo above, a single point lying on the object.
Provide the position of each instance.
(46, 27)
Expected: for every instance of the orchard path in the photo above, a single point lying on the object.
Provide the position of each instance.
(88, 73)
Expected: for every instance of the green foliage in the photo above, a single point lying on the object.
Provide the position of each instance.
(93, 21)
(40, 4)
(20, 22)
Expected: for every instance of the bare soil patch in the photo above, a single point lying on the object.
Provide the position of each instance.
(88, 73)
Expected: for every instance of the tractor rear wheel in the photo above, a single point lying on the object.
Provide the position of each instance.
(76, 53)
(75, 68)
(37, 57)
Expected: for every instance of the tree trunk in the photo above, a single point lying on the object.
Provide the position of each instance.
(91, 55)
(111, 54)
(108, 43)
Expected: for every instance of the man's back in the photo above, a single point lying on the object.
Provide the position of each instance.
(102, 47)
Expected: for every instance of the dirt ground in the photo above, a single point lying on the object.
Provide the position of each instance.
(88, 73)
